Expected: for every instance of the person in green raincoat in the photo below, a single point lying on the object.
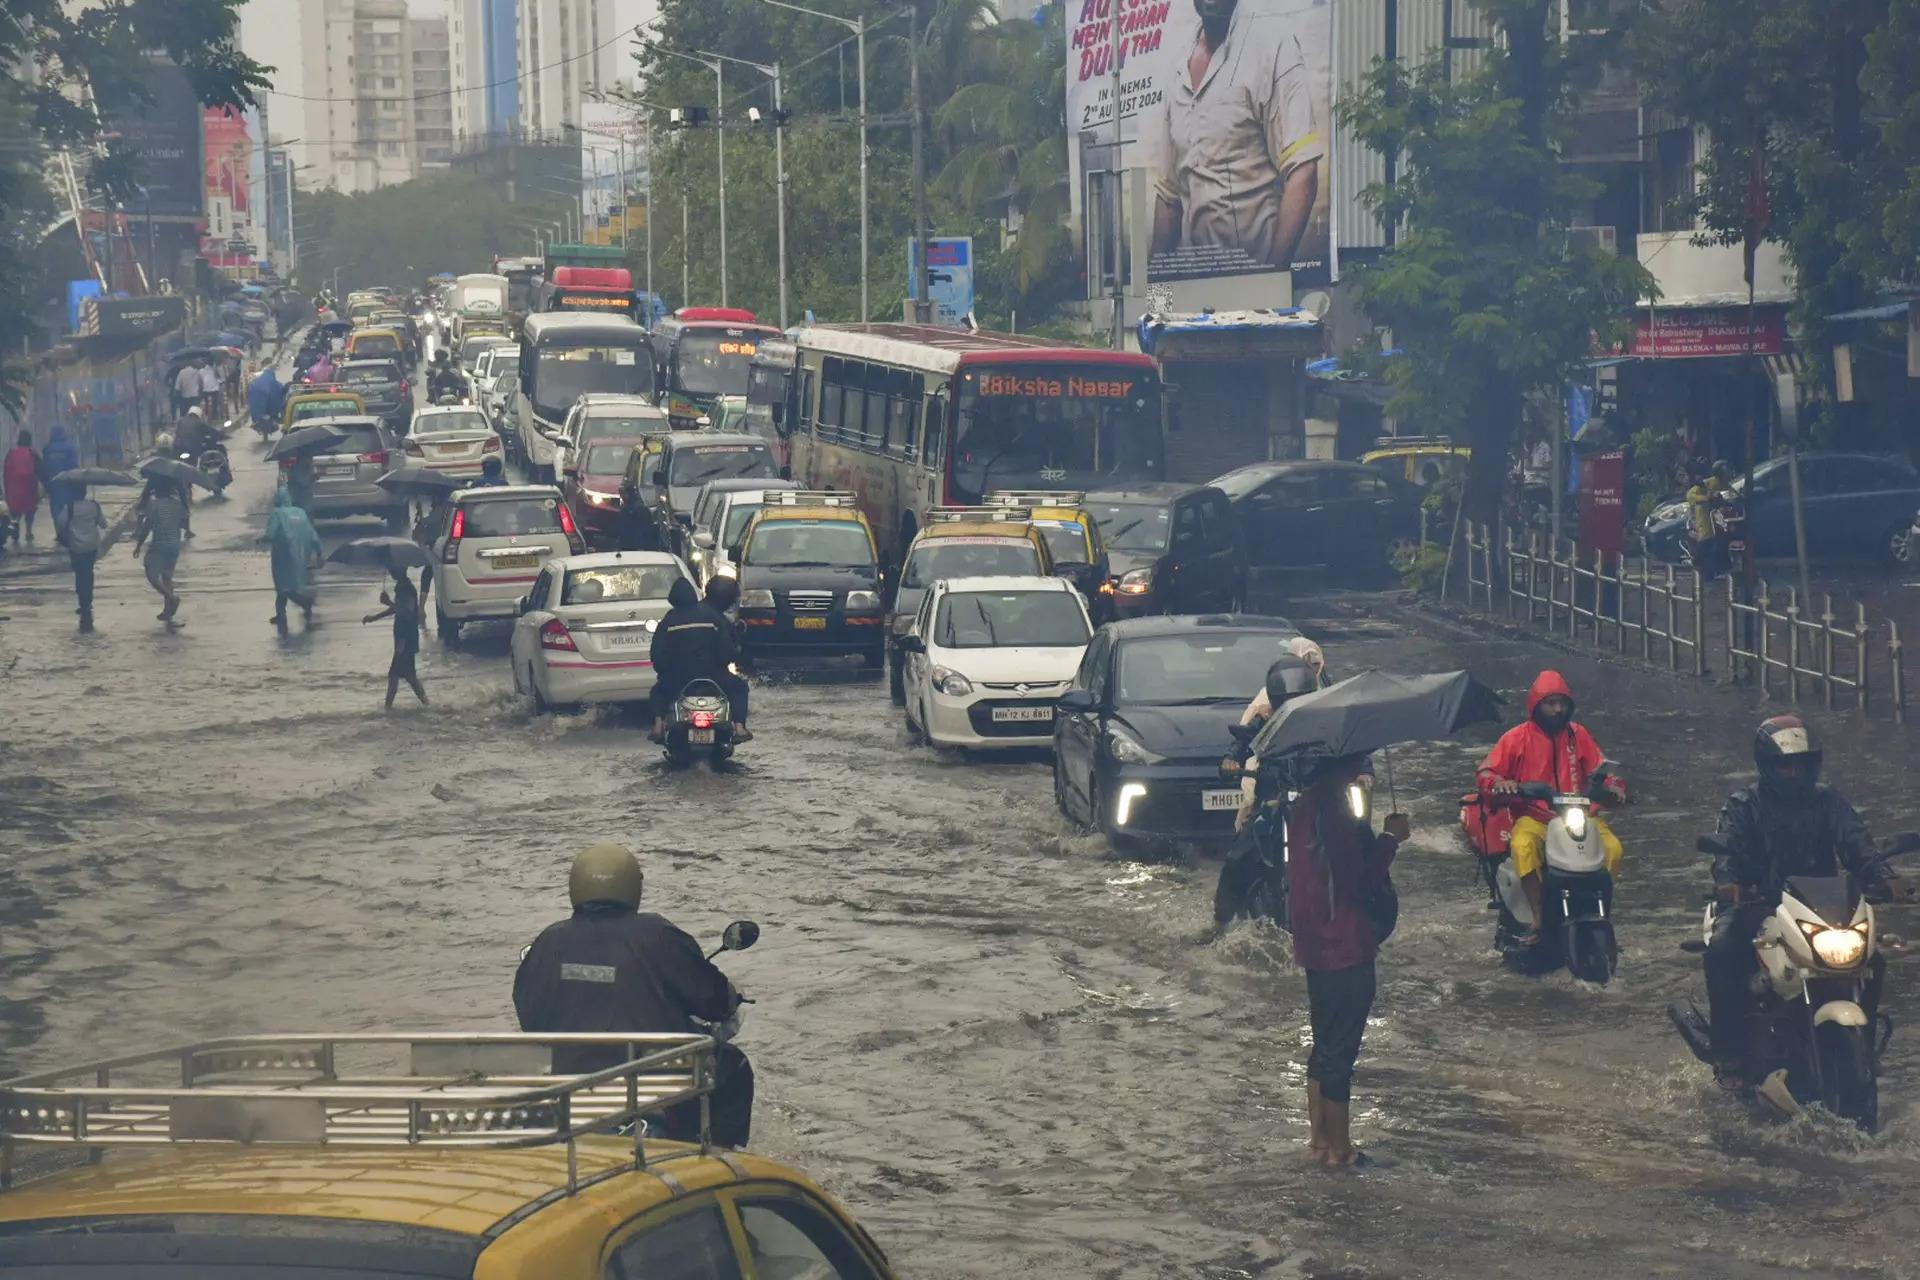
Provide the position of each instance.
(295, 546)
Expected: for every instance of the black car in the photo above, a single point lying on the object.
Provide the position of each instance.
(1337, 515)
(1172, 548)
(1140, 733)
(811, 585)
(383, 385)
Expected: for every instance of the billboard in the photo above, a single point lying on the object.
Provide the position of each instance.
(163, 135)
(611, 150)
(1224, 119)
(949, 278)
(226, 150)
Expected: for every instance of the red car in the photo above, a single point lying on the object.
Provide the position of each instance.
(593, 488)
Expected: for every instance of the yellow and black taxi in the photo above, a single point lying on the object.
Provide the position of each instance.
(811, 583)
(397, 1157)
(1073, 540)
(959, 542)
(321, 402)
(1418, 460)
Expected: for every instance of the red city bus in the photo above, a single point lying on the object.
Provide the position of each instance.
(702, 356)
(912, 416)
(600, 291)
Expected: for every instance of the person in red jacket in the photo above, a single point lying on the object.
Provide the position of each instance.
(1548, 748)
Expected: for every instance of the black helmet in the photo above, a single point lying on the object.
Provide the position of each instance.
(1288, 677)
(1782, 740)
(1721, 467)
(723, 592)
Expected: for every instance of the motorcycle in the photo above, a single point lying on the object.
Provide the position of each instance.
(1576, 891)
(702, 720)
(1729, 517)
(1816, 1030)
(1253, 880)
(212, 463)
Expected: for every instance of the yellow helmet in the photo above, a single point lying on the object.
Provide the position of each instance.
(605, 873)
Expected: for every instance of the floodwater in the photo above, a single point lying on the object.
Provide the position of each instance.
(1009, 1051)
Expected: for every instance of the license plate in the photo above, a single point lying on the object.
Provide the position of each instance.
(514, 562)
(1021, 715)
(1211, 800)
(451, 448)
(809, 624)
(627, 639)
(700, 737)
(336, 469)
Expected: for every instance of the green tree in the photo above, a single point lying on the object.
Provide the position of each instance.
(1491, 302)
(74, 66)
(410, 230)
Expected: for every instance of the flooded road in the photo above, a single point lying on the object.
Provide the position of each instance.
(1008, 1050)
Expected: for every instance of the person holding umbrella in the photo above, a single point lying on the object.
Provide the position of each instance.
(86, 522)
(403, 606)
(163, 520)
(294, 546)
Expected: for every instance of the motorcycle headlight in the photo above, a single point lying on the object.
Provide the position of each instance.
(1128, 749)
(951, 682)
(758, 598)
(1836, 948)
(1137, 583)
(1576, 820)
(1357, 801)
(863, 601)
(726, 571)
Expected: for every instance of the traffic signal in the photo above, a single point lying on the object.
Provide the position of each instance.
(687, 117)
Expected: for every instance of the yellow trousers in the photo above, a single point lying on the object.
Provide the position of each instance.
(1529, 844)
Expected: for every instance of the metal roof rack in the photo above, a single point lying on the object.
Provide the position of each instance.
(1036, 498)
(453, 1090)
(1413, 442)
(811, 498)
(1001, 514)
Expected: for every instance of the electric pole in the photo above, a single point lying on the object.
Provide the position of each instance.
(922, 304)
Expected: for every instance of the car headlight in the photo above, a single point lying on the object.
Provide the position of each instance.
(696, 555)
(951, 682)
(1576, 820)
(863, 601)
(756, 599)
(726, 570)
(1127, 749)
(1837, 948)
(1137, 583)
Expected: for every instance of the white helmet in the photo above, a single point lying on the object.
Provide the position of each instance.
(193, 411)
(163, 442)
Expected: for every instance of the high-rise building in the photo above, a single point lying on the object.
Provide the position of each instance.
(357, 82)
(570, 52)
(432, 93)
(484, 62)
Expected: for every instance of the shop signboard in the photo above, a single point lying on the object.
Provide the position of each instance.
(1681, 333)
(1603, 504)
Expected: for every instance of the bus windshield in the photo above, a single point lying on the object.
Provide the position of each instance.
(1055, 425)
(713, 364)
(562, 375)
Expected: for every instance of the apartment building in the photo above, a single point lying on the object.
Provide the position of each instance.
(356, 118)
(432, 93)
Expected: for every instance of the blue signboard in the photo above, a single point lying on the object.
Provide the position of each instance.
(949, 278)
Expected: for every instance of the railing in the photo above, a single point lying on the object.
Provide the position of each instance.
(1664, 615)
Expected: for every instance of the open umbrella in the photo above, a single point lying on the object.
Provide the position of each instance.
(94, 475)
(421, 480)
(382, 553)
(176, 470)
(1372, 711)
(311, 439)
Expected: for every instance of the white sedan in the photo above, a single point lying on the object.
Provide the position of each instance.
(585, 631)
(987, 657)
(453, 438)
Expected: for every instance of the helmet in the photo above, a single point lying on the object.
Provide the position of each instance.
(490, 465)
(1288, 677)
(723, 593)
(194, 412)
(163, 442)
(1782, 740)
(605, 873)
(1721, 467)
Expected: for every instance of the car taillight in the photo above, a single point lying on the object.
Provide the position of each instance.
(568, 527)
(405, 387)
(459, 530)
(378, 456)
(701, 719)
(491, 446)
(415, 451)
(554, 635)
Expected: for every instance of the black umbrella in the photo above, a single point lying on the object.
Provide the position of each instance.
(311, 439)
(94, 475)
(421, 480)
(1372, 711)
(176, 470)
(382, 553)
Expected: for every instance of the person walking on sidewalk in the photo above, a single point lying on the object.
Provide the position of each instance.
(295, 547)
(186, 388)
(403, 606)
(163, 519)
(62, 454)
(86, 522)
(20, 475)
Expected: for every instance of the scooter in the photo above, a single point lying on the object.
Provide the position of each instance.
(1576, 891)
(212, 464)
(1253, 880)
(1816, 1033)
(702, 720)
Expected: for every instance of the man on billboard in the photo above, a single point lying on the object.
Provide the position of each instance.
(1241, 169)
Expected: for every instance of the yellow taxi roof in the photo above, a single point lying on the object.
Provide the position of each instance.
(978, 529)
(1416, 450)
(767, 515)
(466, 1192)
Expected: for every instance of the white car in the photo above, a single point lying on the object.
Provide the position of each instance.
(488, 545)
(453, 438)
(987, 657)
(584, 632)
(600, 415)
(494, 364)
(720, 517)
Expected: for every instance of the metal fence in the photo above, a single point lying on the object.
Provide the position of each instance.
(1653, 612)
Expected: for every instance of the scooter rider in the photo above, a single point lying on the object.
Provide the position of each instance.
(446, 378)
(1787, 824)
(1286, 678)
(610, 967)
(1548, 748)
(693, 642)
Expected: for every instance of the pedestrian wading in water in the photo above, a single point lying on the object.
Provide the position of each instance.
(403, 606)
(295, 549)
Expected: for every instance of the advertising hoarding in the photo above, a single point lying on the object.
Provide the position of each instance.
(949, 278)
(1225, 113)
(163, 135)
(611, 147)
(226, 150)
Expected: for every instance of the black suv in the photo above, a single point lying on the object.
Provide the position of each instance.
(1343, 516)
(1173, 548)
(383, 385)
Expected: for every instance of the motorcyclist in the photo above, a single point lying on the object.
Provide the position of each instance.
(1709, 548)
(266, 397)
(1788, 824)
(695, 643)
(195, 436)
(1548, 748)
(492, 473)
(1288, 677)
(446, 378)
(611, 968)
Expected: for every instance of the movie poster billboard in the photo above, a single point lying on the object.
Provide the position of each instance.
(227, 149)
(1225, 118)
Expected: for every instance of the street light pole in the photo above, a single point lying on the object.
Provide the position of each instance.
(719, 70)
(859, 28)
(922, 304)
(779, 168)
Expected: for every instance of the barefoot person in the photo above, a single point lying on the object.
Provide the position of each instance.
(403, 606)
(163, 519)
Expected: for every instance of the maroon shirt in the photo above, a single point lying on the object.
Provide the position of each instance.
(1332, 861)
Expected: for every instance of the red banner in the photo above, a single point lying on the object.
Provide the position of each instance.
(1680, 333)
(226, 152)
(1603, 504)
